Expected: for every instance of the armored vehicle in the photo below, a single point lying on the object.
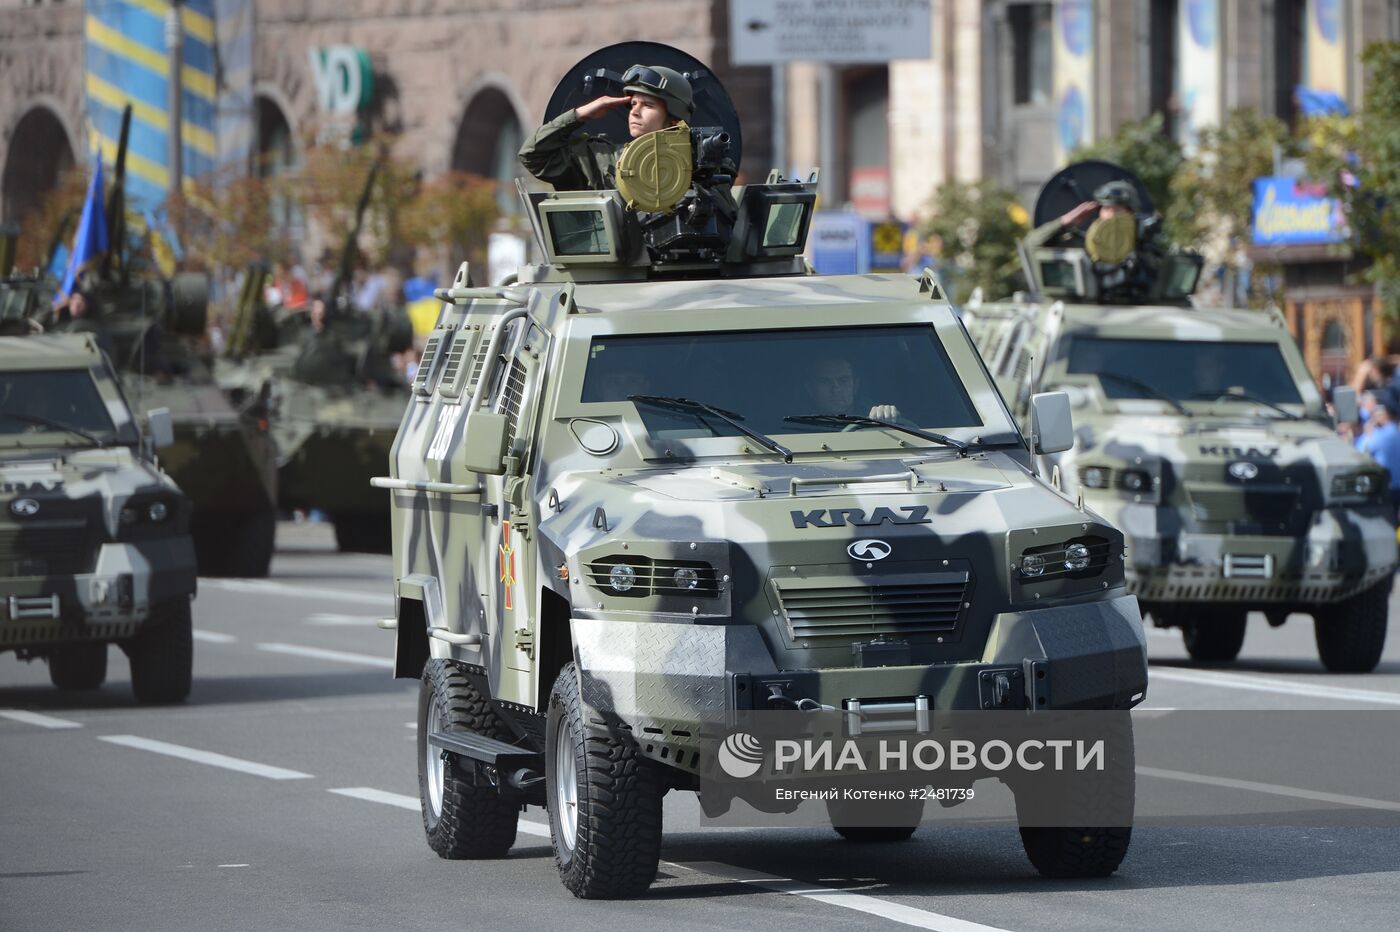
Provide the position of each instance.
(333, 398)
(1203, 437)
(222, 457)
(669, 476)
(94, 537)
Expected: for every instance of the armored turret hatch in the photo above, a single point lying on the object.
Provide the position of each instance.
(676, 211)
(1060, 264)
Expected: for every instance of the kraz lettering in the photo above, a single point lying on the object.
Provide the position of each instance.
(26, 488)
(1241, 453)
(856, 517)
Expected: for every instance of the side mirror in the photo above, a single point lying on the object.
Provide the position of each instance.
(160, 427)
(484, 442)
(1052, 424)
(1344, 404)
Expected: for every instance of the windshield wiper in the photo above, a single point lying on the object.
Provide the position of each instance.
(1239, 394)
(45, 422)
(1143, 386)
(946, 441)
(729, 417)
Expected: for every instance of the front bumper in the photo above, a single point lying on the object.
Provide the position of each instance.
(108, 604)
(1345, 551)
(666, 682)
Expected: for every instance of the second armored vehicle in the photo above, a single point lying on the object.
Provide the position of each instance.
(1203, 437)
(94, 538)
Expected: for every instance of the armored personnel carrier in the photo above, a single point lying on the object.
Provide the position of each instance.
(670, 475)
(222, 456)
(333, 398)
(1202, 436)
(94, 536)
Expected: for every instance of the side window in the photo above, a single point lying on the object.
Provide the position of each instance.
(515, 382)
(424, 378)
(463, 363)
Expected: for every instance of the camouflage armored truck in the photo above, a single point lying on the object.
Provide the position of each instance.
(1203, 437)
(94, 536)
(651, 484)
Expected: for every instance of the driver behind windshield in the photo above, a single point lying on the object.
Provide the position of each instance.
(832, 387)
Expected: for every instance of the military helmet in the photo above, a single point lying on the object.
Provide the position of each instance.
(665, 83)
(1117, 194)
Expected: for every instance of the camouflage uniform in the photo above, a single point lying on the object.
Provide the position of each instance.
(570, 160)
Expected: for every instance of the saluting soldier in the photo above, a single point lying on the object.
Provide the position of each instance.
(564, 155)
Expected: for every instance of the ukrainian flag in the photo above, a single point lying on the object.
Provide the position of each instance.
(127, 61)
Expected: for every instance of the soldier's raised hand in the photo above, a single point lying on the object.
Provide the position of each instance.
(596, 108)
(1079, 213)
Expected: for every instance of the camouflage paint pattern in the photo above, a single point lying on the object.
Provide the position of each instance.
(61, 528)
(1279, 540)
(507, 565)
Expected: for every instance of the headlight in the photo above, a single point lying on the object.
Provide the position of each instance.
(1135, 480)
(157, 512)
(1032, 564)
(1076, 557)
(1356, 485)
(686, 578)
(128, 516)
(1094, 477)
(622, 577)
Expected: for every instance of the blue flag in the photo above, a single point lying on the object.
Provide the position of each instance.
(91, 240)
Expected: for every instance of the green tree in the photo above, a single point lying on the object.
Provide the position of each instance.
(1144, 148)
(974, 229)
(1360, 157)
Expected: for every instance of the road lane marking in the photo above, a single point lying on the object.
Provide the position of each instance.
(205, 757)
(370, 795)
(1267, 685)
(1272, 789)
(267, 587)
(859, 902)
(34, 718)
(331, 619)
(318, 653)
(213, 637)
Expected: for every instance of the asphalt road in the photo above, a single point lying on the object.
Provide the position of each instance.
(284, 795)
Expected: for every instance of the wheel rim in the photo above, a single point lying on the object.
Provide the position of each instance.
(432, 757)
(566, 787)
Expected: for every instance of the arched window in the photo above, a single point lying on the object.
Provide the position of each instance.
(488, 143)
(39, 154)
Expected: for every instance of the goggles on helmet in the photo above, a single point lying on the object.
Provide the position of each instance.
(646, 77)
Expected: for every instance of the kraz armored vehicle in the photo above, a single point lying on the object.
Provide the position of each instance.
(670, 475)
(334, 400)
(223, 457)
(94, 537)
(1203, 437)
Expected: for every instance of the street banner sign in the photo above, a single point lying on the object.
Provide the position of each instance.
(770, 32)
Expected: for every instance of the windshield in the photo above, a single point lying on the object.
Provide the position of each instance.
(1182, 370)
(899, 374)
(49, 401)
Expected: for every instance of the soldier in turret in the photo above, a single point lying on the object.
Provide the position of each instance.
(571, 160)
(1112, 236)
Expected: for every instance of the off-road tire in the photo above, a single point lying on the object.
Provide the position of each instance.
(1350, 636)
(910, 812)
(475, 821)
(162, 655)
(1072, 852)
(1076, 853)
(618, 842)
(74, 667)
(1216, 635)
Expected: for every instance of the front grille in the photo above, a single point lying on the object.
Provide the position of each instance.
(819, 610)
(1244, 510)
(52, 548)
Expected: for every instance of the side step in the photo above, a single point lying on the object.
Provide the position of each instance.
(506, 758)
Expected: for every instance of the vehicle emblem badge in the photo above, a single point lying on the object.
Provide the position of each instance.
(24, 507)
(1243, 470)
(869, 550)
